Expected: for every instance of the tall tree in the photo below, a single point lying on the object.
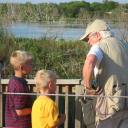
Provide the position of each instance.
(105, 1)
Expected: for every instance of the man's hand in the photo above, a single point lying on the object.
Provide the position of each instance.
(91, 91)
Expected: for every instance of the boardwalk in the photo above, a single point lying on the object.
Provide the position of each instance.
(65, 86)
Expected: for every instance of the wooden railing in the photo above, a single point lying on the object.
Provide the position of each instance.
(63, 85)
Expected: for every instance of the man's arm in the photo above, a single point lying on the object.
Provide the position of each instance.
(88, 71)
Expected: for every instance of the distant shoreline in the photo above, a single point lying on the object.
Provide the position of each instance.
(70, 21)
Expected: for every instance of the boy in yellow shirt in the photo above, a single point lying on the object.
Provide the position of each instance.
(45, 113)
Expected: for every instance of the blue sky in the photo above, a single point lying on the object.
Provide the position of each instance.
(57, 1)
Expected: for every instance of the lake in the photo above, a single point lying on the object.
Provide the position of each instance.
(64, 31)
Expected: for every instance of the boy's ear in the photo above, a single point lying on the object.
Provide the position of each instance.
(50, 85)
(21, 67)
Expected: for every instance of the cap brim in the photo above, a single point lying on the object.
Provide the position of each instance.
(84, 38)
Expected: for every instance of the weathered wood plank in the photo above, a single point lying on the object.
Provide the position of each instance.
(57, 97)
(1, 108)
(68, 81)
(4, 81)
(78, 108)
(37, 90)
(66, 106)
(34, 89)
(31, 88)
(59, 81)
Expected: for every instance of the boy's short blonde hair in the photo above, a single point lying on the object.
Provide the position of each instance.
(20, 57)
(43, 77)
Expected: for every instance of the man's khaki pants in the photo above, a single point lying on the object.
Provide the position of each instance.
(119, 120)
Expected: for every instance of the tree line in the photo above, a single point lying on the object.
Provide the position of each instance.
(56, 12)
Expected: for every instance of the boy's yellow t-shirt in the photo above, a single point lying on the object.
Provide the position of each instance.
(44, 113)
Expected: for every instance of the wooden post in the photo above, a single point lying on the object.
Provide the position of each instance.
(66, 106)
(78, 108)
(31, 88)
(57, 97)
(1, 102)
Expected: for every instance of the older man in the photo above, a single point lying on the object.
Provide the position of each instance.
(107, 60)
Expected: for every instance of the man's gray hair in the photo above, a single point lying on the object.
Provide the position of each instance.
(106, 34)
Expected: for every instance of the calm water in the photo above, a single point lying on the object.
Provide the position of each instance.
(37, 30)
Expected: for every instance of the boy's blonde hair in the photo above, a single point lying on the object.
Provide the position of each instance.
(43, 77)
(20, 57)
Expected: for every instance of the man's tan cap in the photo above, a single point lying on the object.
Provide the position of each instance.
(95, 26)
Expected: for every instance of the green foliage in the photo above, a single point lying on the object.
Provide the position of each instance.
(66, 59)
(106, 6)
(111, 5)
(95, 6)
(8, 45)
(105, 2)
(4, 9)
(72, 9)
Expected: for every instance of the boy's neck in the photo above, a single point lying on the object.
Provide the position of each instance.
(19, 74)
(44, 92)
(43, 96)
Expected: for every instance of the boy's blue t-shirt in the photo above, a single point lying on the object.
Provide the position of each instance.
(17, 102)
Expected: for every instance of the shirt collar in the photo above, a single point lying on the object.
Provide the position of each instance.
(19, 79)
